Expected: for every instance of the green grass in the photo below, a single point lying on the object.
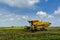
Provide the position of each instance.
(20, 34)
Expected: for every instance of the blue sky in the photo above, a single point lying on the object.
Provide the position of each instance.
(17, 12)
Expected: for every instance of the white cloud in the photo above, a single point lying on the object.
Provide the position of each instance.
(11, 19)
(1, 14)
(44, 14)
(32, 2)
(24, 17)
(41, 14)
(46, 0)
(57, 11)
(20, 3)
(50, 16)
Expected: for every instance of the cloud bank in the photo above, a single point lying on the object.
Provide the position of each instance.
(20, 3)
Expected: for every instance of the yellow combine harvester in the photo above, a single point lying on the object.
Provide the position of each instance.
(37, 25)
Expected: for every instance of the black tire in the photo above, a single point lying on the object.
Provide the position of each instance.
(32, 30)
(26, 28)
(45, 29)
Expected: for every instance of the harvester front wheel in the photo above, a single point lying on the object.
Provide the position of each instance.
(45, 29)
(27, 28)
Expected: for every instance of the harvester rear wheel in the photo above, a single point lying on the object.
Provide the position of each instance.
(43, 29)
